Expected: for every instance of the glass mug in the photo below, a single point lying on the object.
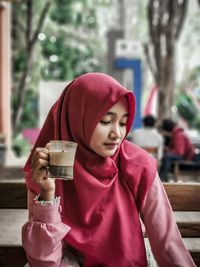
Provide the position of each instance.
(61, 159)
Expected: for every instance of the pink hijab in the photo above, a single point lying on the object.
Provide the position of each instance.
(102, 203)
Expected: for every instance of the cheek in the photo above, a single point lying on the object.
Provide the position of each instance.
(96, 136)
(123, 132)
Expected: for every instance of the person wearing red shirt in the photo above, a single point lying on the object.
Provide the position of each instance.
(178, 147)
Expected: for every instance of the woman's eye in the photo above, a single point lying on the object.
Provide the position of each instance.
(122, 124)
(104, 122)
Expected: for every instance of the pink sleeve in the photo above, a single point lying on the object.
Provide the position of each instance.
(164, 237)
(43, 233)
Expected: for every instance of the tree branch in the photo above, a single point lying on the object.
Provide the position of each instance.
(40, 22)
(150, 61)
(29, 14)
(183, 11)
(150, 18)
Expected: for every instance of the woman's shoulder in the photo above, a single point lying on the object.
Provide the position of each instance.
(139, 169)
(133, 151)
(136, 156)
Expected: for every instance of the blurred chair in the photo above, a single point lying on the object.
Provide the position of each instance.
(154, 151)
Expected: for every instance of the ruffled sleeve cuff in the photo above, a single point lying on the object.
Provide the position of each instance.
(47, 211)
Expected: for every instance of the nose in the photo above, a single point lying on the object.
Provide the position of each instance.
(115, 132)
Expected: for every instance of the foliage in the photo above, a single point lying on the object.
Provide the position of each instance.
(66, 59)
(196, 123)
(20, 145)
(30, 110)
(69, 48)
(74, 12)
(186, 107)
(25, 32)
(194, 75)
(188, 100)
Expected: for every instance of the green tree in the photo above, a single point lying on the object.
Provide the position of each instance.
(70, 47)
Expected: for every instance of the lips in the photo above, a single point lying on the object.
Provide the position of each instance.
(111, 145)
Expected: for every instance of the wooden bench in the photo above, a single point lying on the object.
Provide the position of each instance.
(186, 170)
(185, 202)
(13, 208)
(184, 198)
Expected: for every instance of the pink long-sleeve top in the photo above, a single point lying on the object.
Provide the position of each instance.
(42, 235)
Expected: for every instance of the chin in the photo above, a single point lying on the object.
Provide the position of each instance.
(106, 154)
(109, 154)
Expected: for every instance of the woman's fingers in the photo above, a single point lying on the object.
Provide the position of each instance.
(40, 161)
(40, 153)
(47, 145)
(39, 164)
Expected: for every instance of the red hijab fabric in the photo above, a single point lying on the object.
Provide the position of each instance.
(102, 203)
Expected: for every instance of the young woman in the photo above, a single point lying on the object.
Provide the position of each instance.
(94, 220)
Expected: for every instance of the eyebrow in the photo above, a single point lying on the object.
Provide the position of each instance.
(114, 113)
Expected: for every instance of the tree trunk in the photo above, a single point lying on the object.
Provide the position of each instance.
(30, 40)
(166, 20)
(166, 89)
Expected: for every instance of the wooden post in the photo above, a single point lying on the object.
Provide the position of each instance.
(5, 73)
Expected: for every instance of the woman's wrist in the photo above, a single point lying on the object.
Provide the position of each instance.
(47, 195)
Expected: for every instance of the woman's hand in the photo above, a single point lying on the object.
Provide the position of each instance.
(40, 175)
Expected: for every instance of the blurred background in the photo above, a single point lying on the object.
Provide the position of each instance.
(150, 46)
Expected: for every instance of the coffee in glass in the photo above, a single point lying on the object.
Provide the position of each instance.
(61, 161)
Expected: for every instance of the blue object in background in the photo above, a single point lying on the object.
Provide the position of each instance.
(135, 65)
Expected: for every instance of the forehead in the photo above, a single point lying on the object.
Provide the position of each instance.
(121, 106)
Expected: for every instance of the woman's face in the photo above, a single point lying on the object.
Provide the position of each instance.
(110, 130)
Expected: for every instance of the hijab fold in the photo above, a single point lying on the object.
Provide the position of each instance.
(101, 204)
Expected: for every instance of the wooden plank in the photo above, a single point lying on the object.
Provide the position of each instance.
(188, 229)
(192, 244)
(183, 197)
(11, 222)
(188, 223)
(13, 195)
(12, 172)
(196, 258)
(12, 256)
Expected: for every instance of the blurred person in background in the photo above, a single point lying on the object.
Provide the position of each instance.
(148, 135)
(177, 147)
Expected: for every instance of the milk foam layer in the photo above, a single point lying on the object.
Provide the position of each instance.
(62, 158)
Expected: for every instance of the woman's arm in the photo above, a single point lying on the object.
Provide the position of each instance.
(42, 235)
(165, 239)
